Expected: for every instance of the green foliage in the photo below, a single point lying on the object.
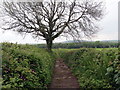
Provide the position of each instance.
(26, 66)
(113, 71)
(91, 65)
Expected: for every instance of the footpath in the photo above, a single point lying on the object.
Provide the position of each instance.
(63, 78)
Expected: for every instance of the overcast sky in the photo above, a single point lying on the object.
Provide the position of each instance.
(108, 25)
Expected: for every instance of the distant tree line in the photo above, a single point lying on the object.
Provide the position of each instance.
(96, 44)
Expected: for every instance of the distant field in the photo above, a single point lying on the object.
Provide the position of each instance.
(62, 49)
(106, 49)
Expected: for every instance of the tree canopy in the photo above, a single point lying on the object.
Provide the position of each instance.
(51, 19)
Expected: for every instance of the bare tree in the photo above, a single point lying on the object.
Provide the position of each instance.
(51, 19)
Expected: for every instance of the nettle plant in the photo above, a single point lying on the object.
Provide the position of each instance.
(113, 71)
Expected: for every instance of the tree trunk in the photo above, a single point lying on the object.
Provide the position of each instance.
(49, 45)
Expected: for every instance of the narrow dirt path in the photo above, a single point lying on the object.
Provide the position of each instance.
(63, 77)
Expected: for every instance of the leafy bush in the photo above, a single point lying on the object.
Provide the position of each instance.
(90, 66)
(26, 66)
(113, 71)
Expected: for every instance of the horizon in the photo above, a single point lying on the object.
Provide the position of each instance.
(67, 41)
